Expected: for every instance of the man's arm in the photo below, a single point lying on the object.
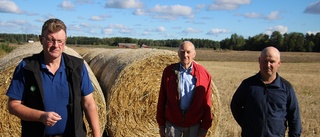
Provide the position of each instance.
(294, 120)
(207, 104)
(160, 116)
(16, 108)
(91, 113)
(236, 104)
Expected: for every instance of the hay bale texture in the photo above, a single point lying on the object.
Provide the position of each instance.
(130, 80)
(10, 124)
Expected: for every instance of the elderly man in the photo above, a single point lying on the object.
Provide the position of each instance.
(184, 103)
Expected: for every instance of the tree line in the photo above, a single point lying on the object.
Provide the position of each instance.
(291, 42)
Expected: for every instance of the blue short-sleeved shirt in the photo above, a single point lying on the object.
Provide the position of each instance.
(56, 91)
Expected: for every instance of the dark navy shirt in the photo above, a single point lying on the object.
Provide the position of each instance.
(56, 91)
(266, 109)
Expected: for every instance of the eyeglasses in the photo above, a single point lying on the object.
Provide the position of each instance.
(51, 41)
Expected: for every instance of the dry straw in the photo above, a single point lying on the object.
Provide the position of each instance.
(10, 124)
(130, 80)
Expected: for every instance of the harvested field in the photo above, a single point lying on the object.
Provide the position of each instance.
(130, 80)
(10, 125)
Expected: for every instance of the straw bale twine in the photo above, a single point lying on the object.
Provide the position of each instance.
(130, 80)
(10, 124)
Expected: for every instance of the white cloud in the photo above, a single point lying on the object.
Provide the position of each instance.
(237, 2)
(200, 6)
(227, 4)
(252, 15)
(18, 26)
(217, 31)
(7, 6)
(84, 1)
(171, 12)
(96, 18)
(313, 8)
(138, 12)
(67, 5)
(124, 4)
(19, 22)
(122, 28)
(178, 10)
(99, 18)
(160, 29)
(92, 31)
(75, 27)
(107, 31)
(117, 26)
(280, 28)
(191, 30)
(273, 15)
(86, 25)
(145, 33)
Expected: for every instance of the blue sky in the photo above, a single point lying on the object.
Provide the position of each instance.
(163, 19)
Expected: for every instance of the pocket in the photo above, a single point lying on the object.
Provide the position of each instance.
(277, 126)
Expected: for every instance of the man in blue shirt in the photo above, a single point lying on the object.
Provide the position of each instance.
(265, 104)
(50, 90)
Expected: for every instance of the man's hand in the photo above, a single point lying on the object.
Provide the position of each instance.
(50, 118)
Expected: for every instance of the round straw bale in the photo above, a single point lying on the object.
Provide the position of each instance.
(10, 124)
(130, 80)
(90, 53)
(101, 60)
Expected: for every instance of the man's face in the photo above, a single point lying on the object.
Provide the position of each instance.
(269, 64)
(186, 54)
(53, 43)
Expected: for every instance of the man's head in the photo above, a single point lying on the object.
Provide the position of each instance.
(53, 37)
(53, 25)
(269, 62)
(186, 53)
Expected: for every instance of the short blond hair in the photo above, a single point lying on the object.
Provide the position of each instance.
(53, 25)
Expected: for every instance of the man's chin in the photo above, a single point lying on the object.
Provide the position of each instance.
(55, 54)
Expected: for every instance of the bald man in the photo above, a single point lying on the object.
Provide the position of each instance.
(184, 103)
(265, 104)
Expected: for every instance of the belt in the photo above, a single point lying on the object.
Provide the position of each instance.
(53, 135)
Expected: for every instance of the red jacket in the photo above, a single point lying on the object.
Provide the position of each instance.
(199, 110)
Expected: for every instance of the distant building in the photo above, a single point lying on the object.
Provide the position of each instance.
(127, 45)
(30, 41)
(144, 46)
